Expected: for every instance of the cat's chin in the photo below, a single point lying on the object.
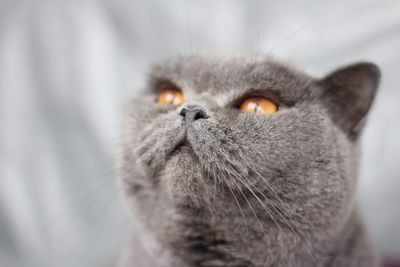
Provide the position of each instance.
(184, 148)
(182, 157)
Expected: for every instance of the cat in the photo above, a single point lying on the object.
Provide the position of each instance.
(239, 160)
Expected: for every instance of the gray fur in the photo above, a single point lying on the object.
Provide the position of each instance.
(249, 190)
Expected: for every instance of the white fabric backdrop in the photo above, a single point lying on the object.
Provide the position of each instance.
(66, 68)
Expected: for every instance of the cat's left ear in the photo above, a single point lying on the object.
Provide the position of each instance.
(349, 92)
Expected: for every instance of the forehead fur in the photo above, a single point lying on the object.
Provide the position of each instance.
(222, 74)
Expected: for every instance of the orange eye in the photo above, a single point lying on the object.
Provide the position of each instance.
(170, 95)
(258, 105)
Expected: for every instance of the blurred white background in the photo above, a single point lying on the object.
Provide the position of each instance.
(68, 67)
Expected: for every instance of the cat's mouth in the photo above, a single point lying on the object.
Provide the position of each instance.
(183, 146)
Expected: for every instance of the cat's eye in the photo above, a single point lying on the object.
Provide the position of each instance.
(170, 95)
(258, 105)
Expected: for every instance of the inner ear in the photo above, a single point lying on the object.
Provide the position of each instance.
(349, 92)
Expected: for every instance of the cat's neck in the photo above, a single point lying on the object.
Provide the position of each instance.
(349, 248)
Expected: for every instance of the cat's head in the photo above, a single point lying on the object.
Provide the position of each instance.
(244, 142)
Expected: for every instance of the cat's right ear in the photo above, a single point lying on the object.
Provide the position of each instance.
(348, 94)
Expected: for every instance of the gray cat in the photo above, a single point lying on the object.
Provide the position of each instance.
(241, 161)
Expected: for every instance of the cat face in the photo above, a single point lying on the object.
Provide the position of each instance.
(204, 160)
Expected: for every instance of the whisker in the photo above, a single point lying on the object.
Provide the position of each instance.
(302, 237)
(238, 176)
(283, 42)
(241, 211)
(214, 195)
(260, 201)
(292, 227)
(275, 193)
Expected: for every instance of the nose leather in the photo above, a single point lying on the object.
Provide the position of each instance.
(191, 113)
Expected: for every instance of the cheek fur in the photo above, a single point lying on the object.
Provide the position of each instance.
(288, 158)
(291, 158)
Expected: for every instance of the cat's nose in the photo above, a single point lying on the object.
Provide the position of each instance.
(191, 113)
